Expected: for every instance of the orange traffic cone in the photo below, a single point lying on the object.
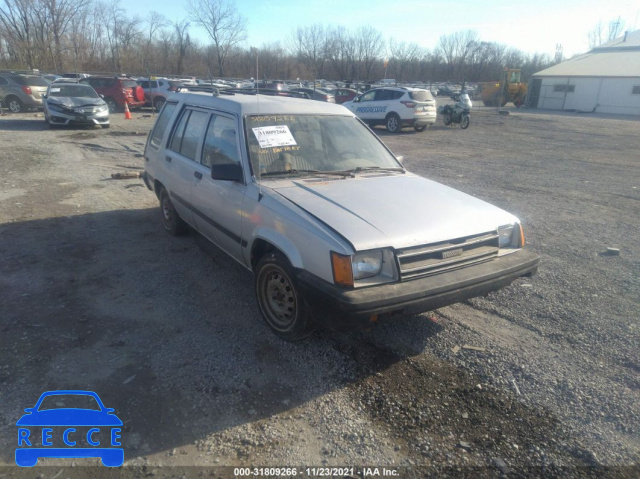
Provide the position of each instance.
(127, 113)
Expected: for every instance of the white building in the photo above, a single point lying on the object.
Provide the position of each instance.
(604, 80)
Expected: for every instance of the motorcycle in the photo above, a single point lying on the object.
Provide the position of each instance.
(458, 113)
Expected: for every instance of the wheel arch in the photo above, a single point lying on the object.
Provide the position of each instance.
(267, 241)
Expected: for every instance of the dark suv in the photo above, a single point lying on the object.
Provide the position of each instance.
(117, 91)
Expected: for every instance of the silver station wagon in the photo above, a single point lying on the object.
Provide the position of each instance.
(336, 231)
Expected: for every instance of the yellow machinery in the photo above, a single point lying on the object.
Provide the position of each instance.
(508, 89)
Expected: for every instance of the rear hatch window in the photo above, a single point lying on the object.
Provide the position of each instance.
(421, 95)
(29, 80)
(129, 84)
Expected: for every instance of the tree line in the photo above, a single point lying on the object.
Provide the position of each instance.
(100, 36)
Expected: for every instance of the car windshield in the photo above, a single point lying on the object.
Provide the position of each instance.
(64, 401)
(77, 91)
(290, 143)
(29, 80)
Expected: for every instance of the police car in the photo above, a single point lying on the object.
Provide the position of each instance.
(395, 107)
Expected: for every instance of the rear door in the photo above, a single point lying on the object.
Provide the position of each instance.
(180, 158)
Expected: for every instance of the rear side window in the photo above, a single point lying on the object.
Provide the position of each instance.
(421, 95)
(161, 124)
(29, 80)
(144, 84)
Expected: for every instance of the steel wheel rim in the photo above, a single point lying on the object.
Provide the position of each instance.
(167, 213)
(278, 298)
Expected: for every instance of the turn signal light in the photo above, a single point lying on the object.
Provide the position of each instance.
(521, 237)
(342, 271)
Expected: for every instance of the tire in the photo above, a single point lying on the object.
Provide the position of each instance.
(157, 103)
(464, 121)
(106, 126)
(393, 123)
(487, 103)
(14, 104)
(170, 218)
(446, 119)
(111, 103)
(420, 128)
(281, 303)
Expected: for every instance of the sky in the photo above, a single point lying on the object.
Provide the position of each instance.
(531, 26)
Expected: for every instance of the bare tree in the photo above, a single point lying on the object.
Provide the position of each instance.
(370, 45)
(183, 43)
(309, 44)
(16, 18)
(402, 55)
(155, 22)
(599, 35)
(222, 22)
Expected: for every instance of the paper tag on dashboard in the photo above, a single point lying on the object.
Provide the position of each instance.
(271, 136)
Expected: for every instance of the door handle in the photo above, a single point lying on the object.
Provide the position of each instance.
(197, 174)
(168, 158)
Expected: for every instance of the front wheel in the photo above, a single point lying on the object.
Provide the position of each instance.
(464, 121)
(446, 119)
(420, 128)
(170, 218)
(393, 123)
(280, 301)
(157, 103)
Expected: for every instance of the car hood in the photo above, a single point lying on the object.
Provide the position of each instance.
(69, 417)
(393, 210)
(74, 102)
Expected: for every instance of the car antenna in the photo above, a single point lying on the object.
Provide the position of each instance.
(258, 111)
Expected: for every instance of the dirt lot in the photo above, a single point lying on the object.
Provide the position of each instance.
(95, 295)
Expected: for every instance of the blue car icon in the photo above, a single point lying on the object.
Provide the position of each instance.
(91, 429)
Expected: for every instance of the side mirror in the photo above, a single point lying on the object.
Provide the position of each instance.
(45, 96)
(227, 172)
(101, 95)
(356, 99)
(400, 159)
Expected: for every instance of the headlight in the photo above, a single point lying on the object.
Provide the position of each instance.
(101, 108)
(364, 268)
(511, 236)
(367, 264)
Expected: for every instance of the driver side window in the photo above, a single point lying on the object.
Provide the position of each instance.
(368, 96)
(220, 143)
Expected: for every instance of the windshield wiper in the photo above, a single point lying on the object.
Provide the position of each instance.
(294, 171)
(371, 168)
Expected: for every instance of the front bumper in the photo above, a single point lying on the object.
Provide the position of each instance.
(340, 309)
(66, 118)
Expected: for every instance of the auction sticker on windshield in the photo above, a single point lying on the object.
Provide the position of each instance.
(270, 136)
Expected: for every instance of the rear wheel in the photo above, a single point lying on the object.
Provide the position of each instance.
(106, 126)
(393, 123)
(157, 103)
(281, 303)
(464, 121)
(170, 218)
(446, 119)
(14, 104)
(111, 103)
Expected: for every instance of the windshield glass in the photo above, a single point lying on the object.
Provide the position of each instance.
(78, 91)
(283, 143)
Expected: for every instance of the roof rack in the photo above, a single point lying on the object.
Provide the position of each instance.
(216, 91)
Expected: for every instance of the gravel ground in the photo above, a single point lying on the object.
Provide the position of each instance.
(537, 380)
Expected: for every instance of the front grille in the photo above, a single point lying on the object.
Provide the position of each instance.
(427, 260)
